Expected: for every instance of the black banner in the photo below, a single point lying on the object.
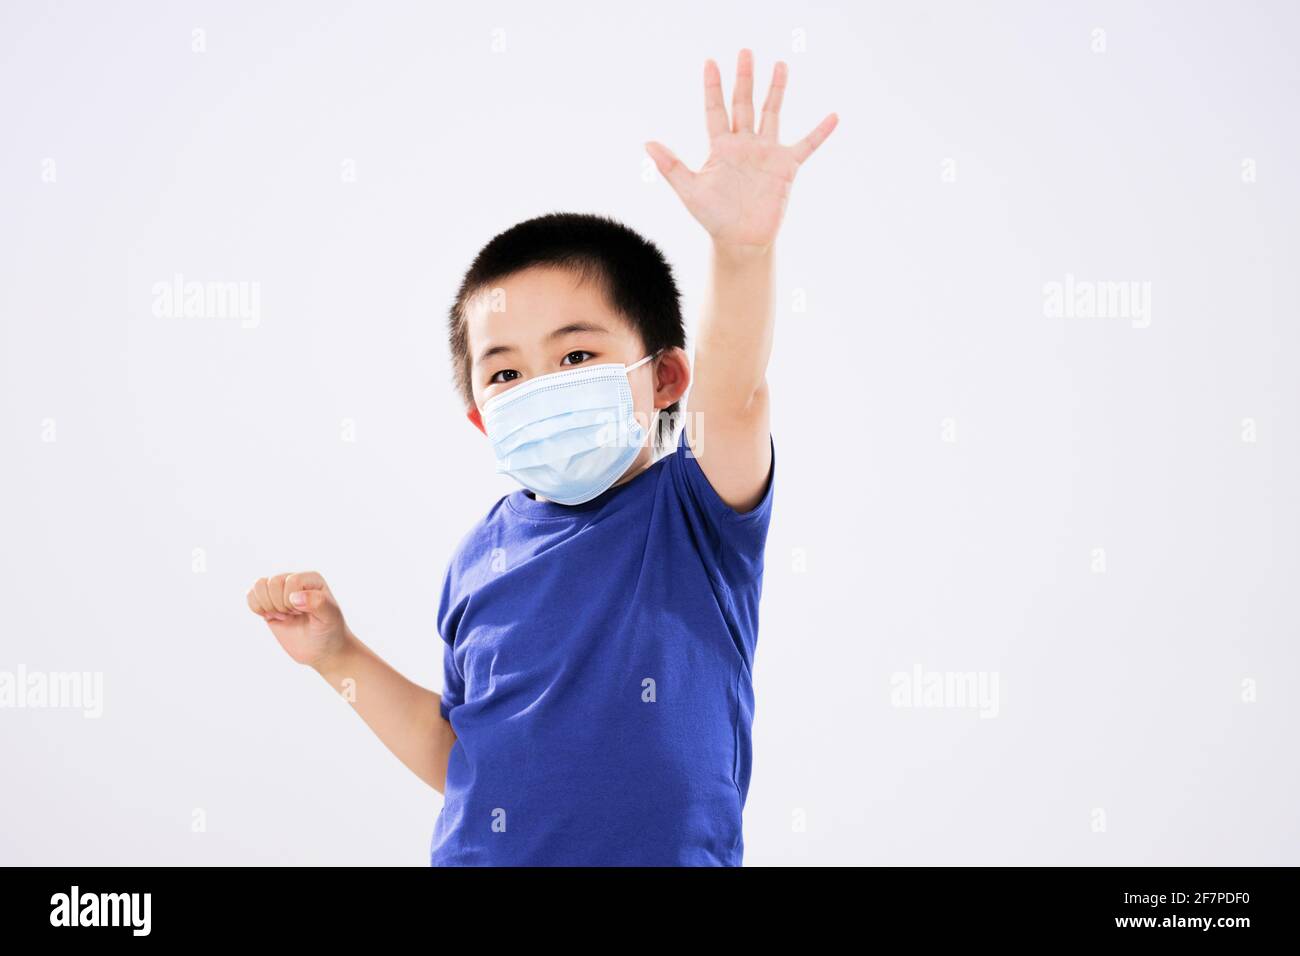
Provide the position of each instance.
(1173, 905)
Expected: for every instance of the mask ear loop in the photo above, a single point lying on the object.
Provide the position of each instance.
(654, 419)
(639, 362)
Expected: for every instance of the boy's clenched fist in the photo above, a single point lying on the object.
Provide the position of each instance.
(302, 614)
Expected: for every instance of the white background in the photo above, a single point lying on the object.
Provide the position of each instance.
(1119, 692)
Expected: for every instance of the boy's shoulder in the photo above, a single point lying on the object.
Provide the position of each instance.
(481, 529)
(695, 486)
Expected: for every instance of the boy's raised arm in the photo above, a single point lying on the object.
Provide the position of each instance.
(739, 196)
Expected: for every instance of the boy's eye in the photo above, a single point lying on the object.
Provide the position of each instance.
(509, 374)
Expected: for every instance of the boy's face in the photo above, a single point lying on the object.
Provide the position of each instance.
(542, 320)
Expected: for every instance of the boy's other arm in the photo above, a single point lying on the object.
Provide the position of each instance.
(404, 715)
(305, 618)
(739, 195)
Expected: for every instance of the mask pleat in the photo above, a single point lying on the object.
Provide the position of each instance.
(554, 424)
(565, 445)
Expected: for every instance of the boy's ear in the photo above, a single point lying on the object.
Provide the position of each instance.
(476, 419)
(674, 375)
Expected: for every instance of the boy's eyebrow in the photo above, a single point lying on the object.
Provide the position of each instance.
(559, 333)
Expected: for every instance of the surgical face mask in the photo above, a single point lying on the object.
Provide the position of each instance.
(567, 436)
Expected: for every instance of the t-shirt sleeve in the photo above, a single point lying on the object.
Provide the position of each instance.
(453, 685)
(453, 682)
(735, 538)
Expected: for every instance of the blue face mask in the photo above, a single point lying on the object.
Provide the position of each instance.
(567, 436)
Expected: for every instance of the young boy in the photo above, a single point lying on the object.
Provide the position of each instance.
(599, 624)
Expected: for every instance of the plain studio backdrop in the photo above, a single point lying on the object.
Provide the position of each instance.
(988, 467)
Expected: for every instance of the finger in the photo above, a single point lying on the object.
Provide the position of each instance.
(715, 113)
(769, 124)
(742, 98)
(804, 148)
(304, 580)
(671, 168)
(263, 597)
(255, 603)
(275, 589)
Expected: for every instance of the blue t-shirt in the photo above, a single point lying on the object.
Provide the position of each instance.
(598, 667)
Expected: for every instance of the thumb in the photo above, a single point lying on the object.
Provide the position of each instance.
(317, 602)
(670, 167)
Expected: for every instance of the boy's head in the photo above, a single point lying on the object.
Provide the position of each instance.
(563, 290)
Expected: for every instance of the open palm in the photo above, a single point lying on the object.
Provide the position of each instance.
(739, 195)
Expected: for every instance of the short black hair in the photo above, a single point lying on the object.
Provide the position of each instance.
(635, 277)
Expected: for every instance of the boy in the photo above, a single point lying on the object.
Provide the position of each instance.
(599, 624)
